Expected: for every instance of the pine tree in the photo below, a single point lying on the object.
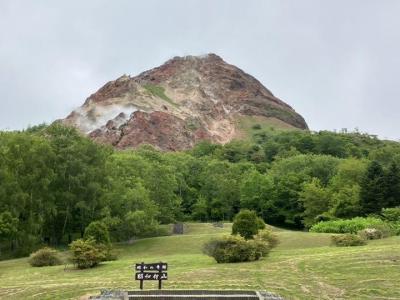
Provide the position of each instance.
(392, 185)
(372, 194)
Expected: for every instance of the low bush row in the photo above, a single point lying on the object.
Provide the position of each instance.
(348, 239)
(354, 225)
(361, 238)
(357, 231)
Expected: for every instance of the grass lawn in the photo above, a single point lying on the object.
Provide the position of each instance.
(303, 266)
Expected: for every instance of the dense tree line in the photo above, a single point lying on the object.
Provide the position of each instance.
(54, 182)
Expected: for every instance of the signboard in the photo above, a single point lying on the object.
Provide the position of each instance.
(151, 276)
(154, 271)
(151, 267)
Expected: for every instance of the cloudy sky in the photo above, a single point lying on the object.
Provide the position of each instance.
(336, 62)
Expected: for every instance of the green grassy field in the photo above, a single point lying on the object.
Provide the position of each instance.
(303, 266)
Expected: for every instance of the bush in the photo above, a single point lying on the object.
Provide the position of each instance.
(234, 249)
(387, 229)
(267, 236)
(371, 234)
(98, 231)
(391, 214)
(347, 226)
(347, 240)
(45, 257)
(87, 254)
(247, 224)
(395, 227)
(262, 248)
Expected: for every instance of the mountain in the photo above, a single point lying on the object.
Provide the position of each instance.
(185, 100)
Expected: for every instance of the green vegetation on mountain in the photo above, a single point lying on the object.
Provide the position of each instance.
(159, 91)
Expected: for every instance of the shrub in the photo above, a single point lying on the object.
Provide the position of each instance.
(45, 257)
(347, 226)
(98, 231)
(395, 227)
(371, 234)
(391, 214)
(262, 248)
(234, 249)
(267, 236)
(86, 253)
(247, 224)
(387, 229)
(347, 240)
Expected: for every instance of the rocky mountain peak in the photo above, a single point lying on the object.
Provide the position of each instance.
(183, 101)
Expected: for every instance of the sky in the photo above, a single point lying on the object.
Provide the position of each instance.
(335, 62)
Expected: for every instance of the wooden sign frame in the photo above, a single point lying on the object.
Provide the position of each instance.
(153, 271)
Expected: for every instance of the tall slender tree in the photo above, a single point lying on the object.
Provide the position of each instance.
(392, 186)
(372, 194)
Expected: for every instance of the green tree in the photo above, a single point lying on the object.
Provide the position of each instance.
(204, 148)
(349, 172)
(25, 175)
(162, 185)
(392, 186)
(99, 232)
(330, 144)
(256, 192)
(345, 188)
(372, 189)
(79, 182)
(234, 151)
(219, 185)
(8, 227)
(345, 203)
(200, 209)
(315, 200)
(247, 224)
(126, 187)
(138, 224)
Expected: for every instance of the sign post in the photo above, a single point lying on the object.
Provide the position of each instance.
(154, 271)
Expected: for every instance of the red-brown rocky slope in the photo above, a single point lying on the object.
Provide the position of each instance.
(173, 106)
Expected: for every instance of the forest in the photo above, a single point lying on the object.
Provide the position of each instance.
(54, 182)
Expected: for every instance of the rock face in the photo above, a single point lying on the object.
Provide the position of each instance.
(173, 106)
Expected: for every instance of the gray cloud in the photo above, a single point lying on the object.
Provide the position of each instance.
(336, 62)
